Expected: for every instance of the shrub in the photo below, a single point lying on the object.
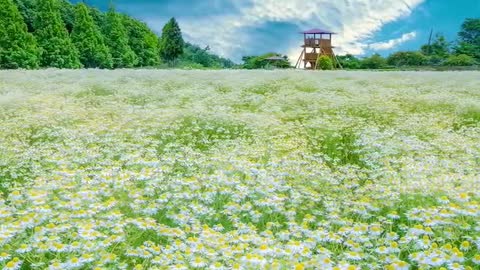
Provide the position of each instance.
(460, 60)
(375, 61)
(407, 59)
(325, 63)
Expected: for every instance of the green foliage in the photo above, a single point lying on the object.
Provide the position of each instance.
(459, 60)
(200, 133)
(440, 47)
(143, 41)
(469, 38)
(60, 27)
(467, 117)
(264, 61)
(98, 16)
(349, 61)
(325, 63)
(89, 40)
(57, 50)
(171, 42)
(18, 48)
(67, 12)
(338, 147)
(375, 61)
(196, 56)
(468, 49)
(399, 59)
(27, 9)
(117, 40)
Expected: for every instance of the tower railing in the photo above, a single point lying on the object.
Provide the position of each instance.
(318, 42)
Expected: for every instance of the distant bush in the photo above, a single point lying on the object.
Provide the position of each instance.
(399, 59)
(264, 61)
(459, 60)
(349, 61)
(375, 61)
(325, 63)
(198, 57)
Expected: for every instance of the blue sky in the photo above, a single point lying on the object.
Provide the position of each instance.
(234, 28)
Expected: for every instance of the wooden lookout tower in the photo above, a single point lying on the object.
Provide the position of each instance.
(317, 42)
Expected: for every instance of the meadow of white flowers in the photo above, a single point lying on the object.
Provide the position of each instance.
(145, 169)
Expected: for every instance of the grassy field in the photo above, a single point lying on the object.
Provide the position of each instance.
(142, 169)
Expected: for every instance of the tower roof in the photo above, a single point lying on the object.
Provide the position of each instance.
(318, 31)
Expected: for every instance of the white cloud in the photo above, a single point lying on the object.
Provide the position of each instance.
(379, 46)
(355, 21)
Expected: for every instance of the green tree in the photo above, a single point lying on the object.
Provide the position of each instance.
(349, 61)
(375, 61)
(469, 38)
(117, 40)
(143, 41)
(193, 54)
(67, 12)
(399, 59)
(171, 42)
(57, 49)
(98, 16)
(440, 47)
(27, 9)
(325, 63)
(460, 60)
(266, 60)
(18, 48)
(89, 40)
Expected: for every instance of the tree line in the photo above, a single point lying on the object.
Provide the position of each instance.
(56, 33)
(463, 52)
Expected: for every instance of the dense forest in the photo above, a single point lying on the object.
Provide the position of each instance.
(56, 33)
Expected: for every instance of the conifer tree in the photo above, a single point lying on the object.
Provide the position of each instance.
(57, 49)
(171, 42)
(98, 16)
(142, 41)
(117, 41)
(18, 48)
(89, 40)
(67, 13)
(27, 9)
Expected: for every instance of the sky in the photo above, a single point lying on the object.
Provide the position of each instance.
(235, 28)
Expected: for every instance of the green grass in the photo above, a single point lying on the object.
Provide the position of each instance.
(371, 115)
(96, 91)
(468, 117)
(338, 147)
(200, 133)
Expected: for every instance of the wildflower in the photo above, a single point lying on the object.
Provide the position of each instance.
(465, 246)
(299, 266)
(14, 264)
(400, 265)
(455, 266)
(4, 256)
(73, 263)
(24, 248)
(198, 262)
(476, 259)
(56, 266)
(354, 256)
